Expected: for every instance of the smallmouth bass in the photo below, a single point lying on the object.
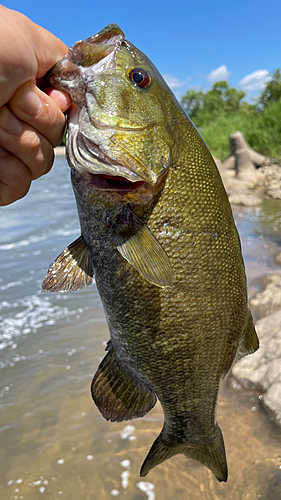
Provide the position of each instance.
(157, 232)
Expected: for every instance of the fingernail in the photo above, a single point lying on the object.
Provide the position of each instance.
(30, 103)
(9, 122)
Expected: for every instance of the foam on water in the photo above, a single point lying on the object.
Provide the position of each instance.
(35, 312)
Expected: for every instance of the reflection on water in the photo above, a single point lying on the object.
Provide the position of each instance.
(54, 442)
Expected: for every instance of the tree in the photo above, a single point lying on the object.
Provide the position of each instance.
(272, 91)
(192, 102)
(221, 100)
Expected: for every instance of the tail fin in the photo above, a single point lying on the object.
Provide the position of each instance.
(165, 446)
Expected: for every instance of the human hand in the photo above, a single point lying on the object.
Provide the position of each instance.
(31, 121)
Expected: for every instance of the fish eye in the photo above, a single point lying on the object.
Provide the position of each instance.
(140, 77)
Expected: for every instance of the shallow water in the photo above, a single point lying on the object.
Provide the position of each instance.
(53, 441)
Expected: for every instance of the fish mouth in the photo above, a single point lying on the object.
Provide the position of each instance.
(114, 183)
(85, 155)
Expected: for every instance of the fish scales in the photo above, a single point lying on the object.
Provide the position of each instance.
(158, 229)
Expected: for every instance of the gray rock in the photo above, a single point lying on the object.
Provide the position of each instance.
(247, 175)
(244, 198)
(239, 172)
(229, 163)
(277, 259)
(272, 180)
(269, 300)
(272, 401)
(262, 370)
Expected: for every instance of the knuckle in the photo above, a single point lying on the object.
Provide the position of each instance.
(40, 154)
(55, 123)
(15, 180)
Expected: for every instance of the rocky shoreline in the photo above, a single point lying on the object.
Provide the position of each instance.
(248, 178)
(261, 371)
(247, 175)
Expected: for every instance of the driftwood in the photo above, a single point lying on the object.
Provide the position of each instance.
(241, 172)
(248, 175)
(243, 160)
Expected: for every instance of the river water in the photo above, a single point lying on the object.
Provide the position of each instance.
(53, 441)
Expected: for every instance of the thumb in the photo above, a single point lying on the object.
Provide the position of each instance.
(48, 50)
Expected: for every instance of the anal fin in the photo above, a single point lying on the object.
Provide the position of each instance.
(71, 270)
(117, 393)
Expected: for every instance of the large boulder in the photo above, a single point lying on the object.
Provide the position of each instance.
(269, 300)
(262, 370)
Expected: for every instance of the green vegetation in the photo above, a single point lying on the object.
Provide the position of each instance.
(223, 110)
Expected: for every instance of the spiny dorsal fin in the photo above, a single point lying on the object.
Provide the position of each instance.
(144, 252)
(118, 394)
(72, 269)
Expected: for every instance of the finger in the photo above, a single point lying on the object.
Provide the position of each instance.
(15, 178)
(29, 53)
(40, 111)
(26, 143)
(62, 99)
(48, 49)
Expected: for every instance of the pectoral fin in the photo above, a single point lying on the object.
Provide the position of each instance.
(118, 394)
(72, 269)
(144, 252)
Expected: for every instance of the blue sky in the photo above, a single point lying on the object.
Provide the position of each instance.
(193, 43)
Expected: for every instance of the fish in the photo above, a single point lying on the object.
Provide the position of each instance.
(158, 237)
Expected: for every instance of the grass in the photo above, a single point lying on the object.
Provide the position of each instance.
(261, 129)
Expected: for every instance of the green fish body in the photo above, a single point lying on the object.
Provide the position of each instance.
(157, 232)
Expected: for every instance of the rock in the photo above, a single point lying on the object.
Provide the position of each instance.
(277, 259)
(247, 175)
(239, 173)
(244, 198)
(249, 371)
(272, 401)
(229, 163)
(269, 299)
(258, 159)
(272, 180)
(262, 370)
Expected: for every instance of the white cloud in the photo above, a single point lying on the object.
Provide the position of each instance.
(174, 82)
(219, 74)
(255, 81)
